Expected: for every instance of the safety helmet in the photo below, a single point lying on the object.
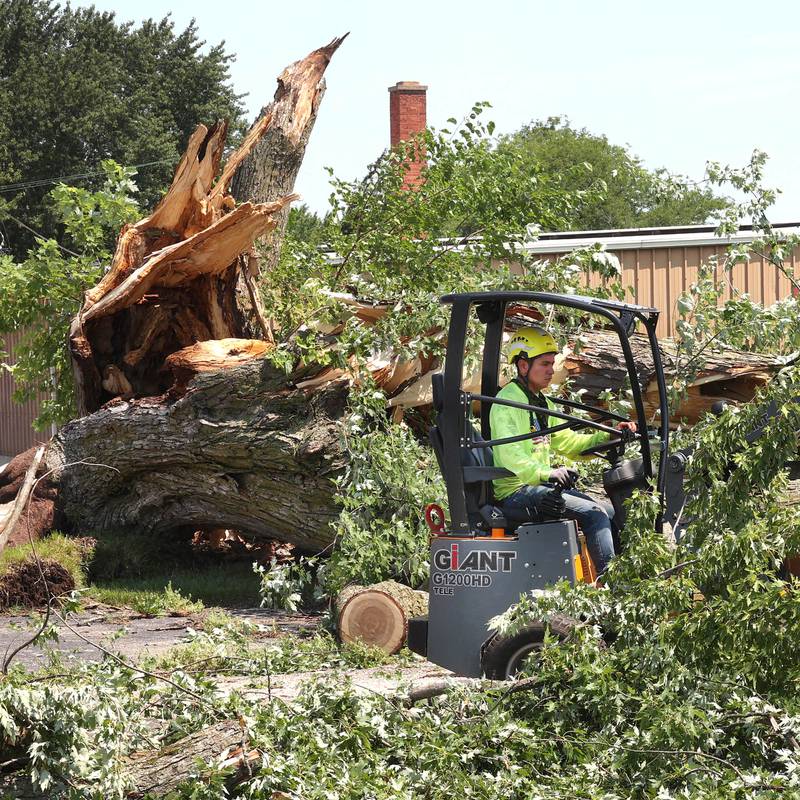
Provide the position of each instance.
(529, 343)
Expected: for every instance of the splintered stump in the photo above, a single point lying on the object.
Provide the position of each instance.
(186, 274)
(378, 615)
(183, 424)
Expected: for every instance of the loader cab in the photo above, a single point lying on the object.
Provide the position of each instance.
(481, 560)
(463, 444)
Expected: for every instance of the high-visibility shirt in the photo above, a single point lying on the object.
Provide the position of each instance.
(529, 459)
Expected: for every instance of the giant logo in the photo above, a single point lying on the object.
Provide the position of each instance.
(472, 571)
(474, 561)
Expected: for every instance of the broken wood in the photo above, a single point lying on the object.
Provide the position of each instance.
(197, 757)
(725, 374)
(598, 364)
(378, 615)
(270, 168)
(11, 511)
(175, 277)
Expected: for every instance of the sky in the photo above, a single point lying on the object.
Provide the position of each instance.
(680, 83)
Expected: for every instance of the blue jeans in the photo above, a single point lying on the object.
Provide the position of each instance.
(593, 516)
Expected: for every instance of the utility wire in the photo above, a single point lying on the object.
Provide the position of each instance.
(15, 187)
(41, 236)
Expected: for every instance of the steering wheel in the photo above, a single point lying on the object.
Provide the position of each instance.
(601, 448)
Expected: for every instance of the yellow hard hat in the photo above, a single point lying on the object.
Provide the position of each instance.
(530, 342)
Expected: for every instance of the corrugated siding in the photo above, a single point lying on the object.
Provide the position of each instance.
(658, 276)
(16, 433)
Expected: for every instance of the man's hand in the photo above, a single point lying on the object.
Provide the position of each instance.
(552, 504)
(627, 426)
(564, 477)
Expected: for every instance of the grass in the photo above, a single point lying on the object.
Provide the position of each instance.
(70, 553)
(182, 589)
(143, 574)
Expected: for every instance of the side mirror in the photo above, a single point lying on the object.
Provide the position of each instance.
(718, 408)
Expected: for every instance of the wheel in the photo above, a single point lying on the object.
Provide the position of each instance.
(503, 656)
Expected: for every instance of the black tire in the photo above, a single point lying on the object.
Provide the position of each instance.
(503, 656)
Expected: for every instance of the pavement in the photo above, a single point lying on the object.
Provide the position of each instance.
(126, 633)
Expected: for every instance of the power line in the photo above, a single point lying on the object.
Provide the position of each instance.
(40, 236)
(15, 187)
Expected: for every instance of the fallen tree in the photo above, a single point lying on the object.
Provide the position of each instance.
(202, 409)
(147, 452)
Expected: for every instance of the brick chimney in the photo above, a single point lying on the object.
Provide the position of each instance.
(407, 117)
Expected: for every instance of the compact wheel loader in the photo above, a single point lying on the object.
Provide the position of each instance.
(482, 560)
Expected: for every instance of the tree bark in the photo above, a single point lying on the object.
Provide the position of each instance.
(726, 374)
(270, 169)
(174, 276)
(239, 450)
(156, 774)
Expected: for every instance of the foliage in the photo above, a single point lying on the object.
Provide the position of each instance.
(696, 692)
(43, 293)
(705, 318)
(616, 190)
(304, 225)
(390, 477)
(230, 648)
(148, 602)
(282, 586)
(478, 205)
(78, 87)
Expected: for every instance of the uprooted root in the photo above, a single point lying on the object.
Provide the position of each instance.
(23, 583)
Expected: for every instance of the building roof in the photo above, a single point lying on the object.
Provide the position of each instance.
(637, 238)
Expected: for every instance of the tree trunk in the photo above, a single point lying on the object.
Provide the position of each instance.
(157, 774)
(599, 364)
(727, 374)
(270, 169)
(182, 422)
(378, 615)
(239, 450)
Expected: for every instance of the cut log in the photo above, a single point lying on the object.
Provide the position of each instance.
(222, 745)
(212, 356)
(378, 615)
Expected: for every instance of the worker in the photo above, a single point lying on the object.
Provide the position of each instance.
(537, 486)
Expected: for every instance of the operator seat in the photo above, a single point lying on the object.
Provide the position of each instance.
(479, 470)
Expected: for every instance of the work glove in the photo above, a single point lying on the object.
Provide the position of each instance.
(564, 477)
(552, 504)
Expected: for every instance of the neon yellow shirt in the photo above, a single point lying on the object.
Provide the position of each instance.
(529, 459)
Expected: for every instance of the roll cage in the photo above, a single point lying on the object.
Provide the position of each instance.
(453, 404)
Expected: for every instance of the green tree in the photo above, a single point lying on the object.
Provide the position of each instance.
(614, 189)
(304, 225)
(42, 293)
(78, 87)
